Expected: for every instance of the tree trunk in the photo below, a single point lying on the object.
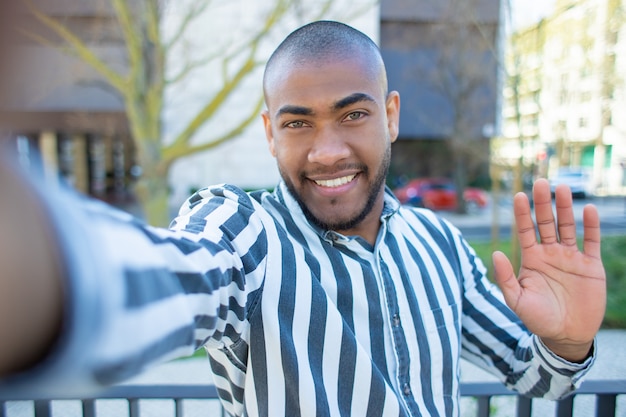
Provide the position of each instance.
(153, 195)
(152, 188)
(460, 178)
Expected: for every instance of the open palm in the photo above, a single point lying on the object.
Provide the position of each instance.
(560, 291)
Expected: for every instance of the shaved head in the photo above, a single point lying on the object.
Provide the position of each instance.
(330, 121)
(319, 43)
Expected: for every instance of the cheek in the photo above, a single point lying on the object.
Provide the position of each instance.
(286, 160)
(290, 151)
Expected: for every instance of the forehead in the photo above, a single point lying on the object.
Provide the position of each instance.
(322, 82)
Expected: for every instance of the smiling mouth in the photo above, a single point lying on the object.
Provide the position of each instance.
(335, 182)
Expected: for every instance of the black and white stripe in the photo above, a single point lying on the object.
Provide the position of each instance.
(301, 321)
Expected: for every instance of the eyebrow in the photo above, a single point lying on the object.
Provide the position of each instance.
(338, 105)
(352, 99)
(295, 110)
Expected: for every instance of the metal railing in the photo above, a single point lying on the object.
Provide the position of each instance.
(605, 392)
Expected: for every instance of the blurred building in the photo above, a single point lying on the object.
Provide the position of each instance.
(62, 110)
(565, 98)
(443, 57)
(57, 112)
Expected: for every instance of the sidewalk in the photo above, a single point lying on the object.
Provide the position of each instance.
(610, 364)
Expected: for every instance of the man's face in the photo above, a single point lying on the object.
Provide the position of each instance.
(330, 128)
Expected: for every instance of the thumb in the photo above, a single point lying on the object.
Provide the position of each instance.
(506, 279)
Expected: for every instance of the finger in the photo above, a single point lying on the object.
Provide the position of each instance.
(565, 216)
(523, 219)
(506, 279)
(591, 227)
(543, 211)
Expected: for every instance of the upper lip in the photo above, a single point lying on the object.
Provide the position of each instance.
(333, 176)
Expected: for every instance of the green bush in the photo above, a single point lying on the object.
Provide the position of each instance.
(614, 259)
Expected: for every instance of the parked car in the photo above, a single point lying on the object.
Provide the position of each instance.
(578, 179)
(439, 194)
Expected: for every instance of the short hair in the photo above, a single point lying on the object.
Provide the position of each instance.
(322, 40)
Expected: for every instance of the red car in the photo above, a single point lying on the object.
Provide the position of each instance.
(439, 194)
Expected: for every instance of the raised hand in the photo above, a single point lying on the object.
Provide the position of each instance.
(560, 291)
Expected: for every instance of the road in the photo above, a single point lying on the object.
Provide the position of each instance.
(478, 226)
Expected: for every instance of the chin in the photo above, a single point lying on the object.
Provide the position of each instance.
(339, 221)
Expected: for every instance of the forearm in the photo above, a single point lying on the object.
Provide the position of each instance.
(131, 295)
(31, 295)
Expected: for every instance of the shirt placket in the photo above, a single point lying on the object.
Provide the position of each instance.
(398, 338)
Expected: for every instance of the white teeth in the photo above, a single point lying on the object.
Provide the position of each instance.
(335, 182)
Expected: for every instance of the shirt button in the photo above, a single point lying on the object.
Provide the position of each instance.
(396, 320)
(406, 389)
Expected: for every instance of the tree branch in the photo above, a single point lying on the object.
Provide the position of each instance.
(190, 16)
(231, 83)
(157, 84)
(175, 151)
(76, 46)
(190, 66)
(210, 108)
(130, 32)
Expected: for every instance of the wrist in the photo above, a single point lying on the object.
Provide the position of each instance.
(571, 352)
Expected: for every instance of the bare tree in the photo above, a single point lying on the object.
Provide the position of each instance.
(143, 82)
(463, 72)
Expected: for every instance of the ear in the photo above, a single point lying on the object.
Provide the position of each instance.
(393, 114)
(269, 135)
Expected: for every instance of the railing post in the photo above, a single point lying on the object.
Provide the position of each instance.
(565, 407)
(524, 406)
(133, 407)
(605, 405)
(483, 406)
(179, 407)
(43, 408)
(89, 408)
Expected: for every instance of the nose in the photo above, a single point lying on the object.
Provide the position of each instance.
(329, 147)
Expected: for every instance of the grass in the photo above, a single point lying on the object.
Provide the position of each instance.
(614, 259)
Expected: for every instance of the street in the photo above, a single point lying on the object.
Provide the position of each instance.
(478, 226)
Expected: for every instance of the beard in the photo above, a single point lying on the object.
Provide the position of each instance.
(374, 190)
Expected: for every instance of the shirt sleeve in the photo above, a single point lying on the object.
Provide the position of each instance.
(494, 338)
(136, 295)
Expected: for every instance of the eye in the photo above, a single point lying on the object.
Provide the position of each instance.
(355, 115)
(297, 124)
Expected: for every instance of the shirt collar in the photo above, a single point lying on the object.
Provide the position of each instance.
(390, 207)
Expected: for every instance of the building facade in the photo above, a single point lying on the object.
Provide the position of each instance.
(58, 113)
(65, 112)
(443, 57)
(564, 101)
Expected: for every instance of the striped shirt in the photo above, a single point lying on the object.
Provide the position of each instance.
(297, 321)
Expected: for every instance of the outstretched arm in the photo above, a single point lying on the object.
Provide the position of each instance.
(93, 296)
(31, 296)
(560, 291)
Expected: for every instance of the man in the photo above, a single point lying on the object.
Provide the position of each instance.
(325, 297)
